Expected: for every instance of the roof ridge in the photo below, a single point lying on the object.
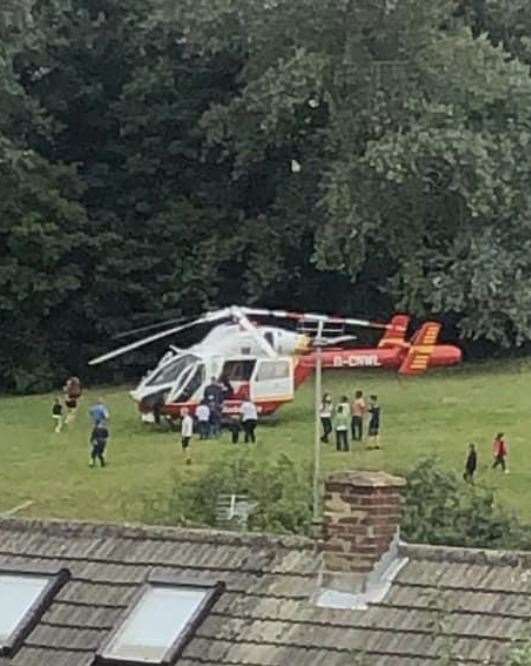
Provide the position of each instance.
(466, 555)
(139, 531)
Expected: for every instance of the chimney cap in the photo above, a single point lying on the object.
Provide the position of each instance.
(367, 479)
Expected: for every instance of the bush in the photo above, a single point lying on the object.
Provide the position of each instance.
(280, 488)
(520, 655)
(441, 509)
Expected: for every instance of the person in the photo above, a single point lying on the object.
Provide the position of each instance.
(187, 430)
(57, 414)
(72, 391)
(359, 408)
(375, 422)
(214, 392)
(233, 424)
(471, 464)
(226, 387)
(500, 451)
(249, 420)
(98, 440)
(99, 412)
(341, 425)
(326, 412)
(202, 414)
(72, 387)
(215, 414)
(157, 409)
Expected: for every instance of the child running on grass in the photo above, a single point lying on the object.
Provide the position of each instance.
(471, 464)
(98, 439)
(500, 451)
(57, 415)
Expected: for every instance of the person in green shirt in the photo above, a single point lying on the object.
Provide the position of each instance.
(341, 424)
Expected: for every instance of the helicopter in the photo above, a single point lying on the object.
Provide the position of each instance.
(266, 363)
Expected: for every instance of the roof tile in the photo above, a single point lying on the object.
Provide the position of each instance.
(476, 601)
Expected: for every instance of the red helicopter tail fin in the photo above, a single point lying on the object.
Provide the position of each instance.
(395, 335)
(422, 346)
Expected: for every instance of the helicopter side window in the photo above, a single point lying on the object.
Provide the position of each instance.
(238, 371)
(169, 373)
(194, 383)
(273, 370)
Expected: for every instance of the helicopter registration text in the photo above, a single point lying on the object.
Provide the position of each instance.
(356, 361)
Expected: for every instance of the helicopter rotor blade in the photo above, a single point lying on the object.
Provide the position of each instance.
(149, 327)
(312, 316)
(206, 318)
(336, 341)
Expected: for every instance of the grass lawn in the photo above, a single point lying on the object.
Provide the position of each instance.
(433, 415)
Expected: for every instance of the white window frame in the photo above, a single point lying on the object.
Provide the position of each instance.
(213, 590)
(33, 614)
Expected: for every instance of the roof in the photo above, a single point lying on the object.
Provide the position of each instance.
(478, 599)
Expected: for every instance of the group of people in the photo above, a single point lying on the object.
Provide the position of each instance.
(351, 420)
(210, 419)
(64, 412)
(500, 453)
(354, 420)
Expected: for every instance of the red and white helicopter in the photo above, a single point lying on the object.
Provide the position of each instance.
(267, 363)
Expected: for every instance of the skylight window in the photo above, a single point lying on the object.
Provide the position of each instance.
(160, 623)
(23, 599)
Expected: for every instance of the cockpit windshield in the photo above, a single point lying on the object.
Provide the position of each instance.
(171, 371)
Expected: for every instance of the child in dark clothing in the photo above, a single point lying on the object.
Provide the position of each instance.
(471, 464)
(98, 440)
(375, 422)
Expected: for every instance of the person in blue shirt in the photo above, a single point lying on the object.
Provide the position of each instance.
(99, 413)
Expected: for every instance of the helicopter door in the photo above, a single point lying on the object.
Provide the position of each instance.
(272, 380)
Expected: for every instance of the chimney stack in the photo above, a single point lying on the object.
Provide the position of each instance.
(361, 520)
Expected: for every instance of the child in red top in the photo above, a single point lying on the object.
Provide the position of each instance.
(500, 451)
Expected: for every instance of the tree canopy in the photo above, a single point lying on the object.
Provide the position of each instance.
(158, 158)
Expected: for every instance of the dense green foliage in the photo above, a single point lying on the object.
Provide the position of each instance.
(280, 490)
(157, 158)
(520, 655)
(440, 509)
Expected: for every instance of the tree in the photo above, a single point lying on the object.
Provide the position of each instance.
(412, 138)
(114, 97)
(42, 225)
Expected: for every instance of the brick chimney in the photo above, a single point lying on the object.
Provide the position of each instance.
(361, 520)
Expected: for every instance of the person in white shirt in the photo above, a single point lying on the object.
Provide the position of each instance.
(326, 413)
(249, 420)
(202, 414)
(187, 430)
